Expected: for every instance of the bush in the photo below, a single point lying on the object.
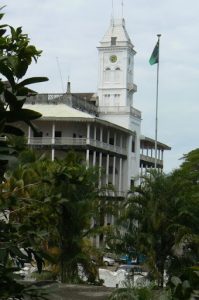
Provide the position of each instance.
(132, 293)
(44, 275)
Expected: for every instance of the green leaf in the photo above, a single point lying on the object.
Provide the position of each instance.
(34, 128)
(21, 115)
(2, 31)
(7, 158)
(13, 130)
(11, 99)
(24, 91)
(16, 252)
(1, 16)
(21, 68)
(175, 281)
(32, 80)
(39, 261)
(2, 124)
(1, 87)
(5, 71)
(7, 150)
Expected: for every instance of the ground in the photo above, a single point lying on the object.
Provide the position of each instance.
(58, 291)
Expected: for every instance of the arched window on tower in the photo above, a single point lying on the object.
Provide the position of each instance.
(117, 76)
(107, 75)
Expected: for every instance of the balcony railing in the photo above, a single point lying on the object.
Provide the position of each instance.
(121, 110)
(69, 141)
(70, 100)
(150, 159)
(115, 194)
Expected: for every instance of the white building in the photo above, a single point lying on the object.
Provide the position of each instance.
(104, 126)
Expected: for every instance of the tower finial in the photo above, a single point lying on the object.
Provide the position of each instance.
(68, 91)
(112, 14)
(122, 4)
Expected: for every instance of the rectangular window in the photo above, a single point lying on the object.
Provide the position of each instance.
(133, 146)
(111, 141)
(113, 41)
(132, 183)
(58, 133)
(38, 134)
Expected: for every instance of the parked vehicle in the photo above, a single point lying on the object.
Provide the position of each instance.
(132, 270)
(108, 261)
(133, 259)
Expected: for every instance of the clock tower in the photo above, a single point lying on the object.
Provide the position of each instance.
(116, 67)
(116, 89)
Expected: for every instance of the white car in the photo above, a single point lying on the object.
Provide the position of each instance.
(108, 261)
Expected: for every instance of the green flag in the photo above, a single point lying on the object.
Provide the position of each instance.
(154, 59)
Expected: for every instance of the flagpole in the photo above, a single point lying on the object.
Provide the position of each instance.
(156, 110)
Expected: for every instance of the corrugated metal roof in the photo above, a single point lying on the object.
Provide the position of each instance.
(58, 111)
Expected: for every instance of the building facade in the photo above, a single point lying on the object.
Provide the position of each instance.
(104, 126)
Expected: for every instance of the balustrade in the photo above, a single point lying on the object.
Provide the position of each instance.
(69, 141)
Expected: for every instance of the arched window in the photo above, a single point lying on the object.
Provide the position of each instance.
(117, 74)
(107, 75)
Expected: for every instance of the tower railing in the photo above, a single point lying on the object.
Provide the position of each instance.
(120, 110)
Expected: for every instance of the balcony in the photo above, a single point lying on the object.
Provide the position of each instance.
(80, 142)
(150, 160)
(120, 110)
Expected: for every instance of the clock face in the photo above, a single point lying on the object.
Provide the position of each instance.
(113, 58)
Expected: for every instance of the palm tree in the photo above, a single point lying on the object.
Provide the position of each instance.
(158, 218)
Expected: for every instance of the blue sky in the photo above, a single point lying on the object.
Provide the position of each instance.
(68, 32)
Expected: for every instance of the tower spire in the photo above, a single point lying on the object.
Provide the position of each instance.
(122, 4)
(112, 13)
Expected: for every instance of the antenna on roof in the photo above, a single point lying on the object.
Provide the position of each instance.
(112, 14)
(68, 91)
(62, 84)
(122, 4)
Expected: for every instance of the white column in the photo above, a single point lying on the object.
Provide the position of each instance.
(94, 158)
(100, 169)
(94, 152)
(29, 134)
(95, 135)
(114, 164)
(115, 140)
(162, 155)
(87, 157)
(121, 141)
(88, 134)
(88, 142)
(108, 136)
(101, 134)
(107, 169)
(142, 149)
(120, 175)
(107, 158)
(53, 142)
(141, 169)
(100, 159)
(128, 167)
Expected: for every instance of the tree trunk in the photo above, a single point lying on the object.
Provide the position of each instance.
(160, 266)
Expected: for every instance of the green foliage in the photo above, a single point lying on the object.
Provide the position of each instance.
(161, 221)
(16, 55)
(44, 275)
(186, 286)
(57, 199)
(132, 293)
